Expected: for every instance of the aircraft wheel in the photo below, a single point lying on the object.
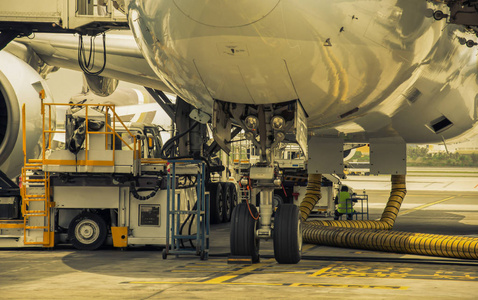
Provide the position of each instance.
(287, 234)
(87, 231)
(216, 202)
(243, 239)
(226, 197)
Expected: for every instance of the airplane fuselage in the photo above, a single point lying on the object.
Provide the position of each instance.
(364, 69)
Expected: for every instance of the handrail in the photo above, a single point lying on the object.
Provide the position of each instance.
(119, 136)
(109, 130)
(24, 137)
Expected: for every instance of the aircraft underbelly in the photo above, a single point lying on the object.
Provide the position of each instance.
(354, 65)
(256, 81)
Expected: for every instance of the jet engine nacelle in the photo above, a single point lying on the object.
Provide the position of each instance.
(19, 84)
(101, 86)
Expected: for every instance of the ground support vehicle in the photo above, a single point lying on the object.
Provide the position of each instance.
(102, 187)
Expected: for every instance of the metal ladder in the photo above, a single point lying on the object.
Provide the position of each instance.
(174, 212)
(35, 193)
(36, 206)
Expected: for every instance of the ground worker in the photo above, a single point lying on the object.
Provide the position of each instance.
(345, 205)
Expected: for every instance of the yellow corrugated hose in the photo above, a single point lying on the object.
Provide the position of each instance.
(312, 196)
(375, 235)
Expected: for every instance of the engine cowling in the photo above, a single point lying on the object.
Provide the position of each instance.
(19, 84)
(101, 86)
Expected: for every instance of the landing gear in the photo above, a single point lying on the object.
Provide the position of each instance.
(267, 127)
(87, 231)
(287, 234)
(243, 232)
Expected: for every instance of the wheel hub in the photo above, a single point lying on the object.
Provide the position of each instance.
(87, 231)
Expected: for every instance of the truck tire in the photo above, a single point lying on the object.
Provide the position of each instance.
(233, 192)
(216, 202)
(227, 200)
(87, 231)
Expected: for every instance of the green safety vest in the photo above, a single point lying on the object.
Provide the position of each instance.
(345, 203)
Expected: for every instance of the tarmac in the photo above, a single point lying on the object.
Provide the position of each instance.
(445, 204)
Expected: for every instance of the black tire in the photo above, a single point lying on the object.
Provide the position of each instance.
(277, 200)
(226, 197)
(87, 231)
(165, 254)
(287, 234)
(243, 239)
(233, 192)
(216, 202)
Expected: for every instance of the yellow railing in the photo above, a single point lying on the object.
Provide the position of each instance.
(42, 211)
(42, 194)
(110, 130)
(36, 188)
(154, 161)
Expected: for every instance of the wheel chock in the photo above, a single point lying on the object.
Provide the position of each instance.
(241, 260)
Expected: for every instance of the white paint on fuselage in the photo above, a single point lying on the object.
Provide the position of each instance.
(335, 56)
(20, 85)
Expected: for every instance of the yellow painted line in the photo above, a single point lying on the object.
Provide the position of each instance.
(399, 276)
(206, 282)
(295, 284)
(234, 274)
(212, 263)
(408, 195)
(352, 286)
(250, 268)
(424, 206)
(191, 271)
(322, 271)
(219, 279)
(201, 267)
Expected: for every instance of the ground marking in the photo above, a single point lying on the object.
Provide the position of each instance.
(295, 284)
(241, 271)
(425, 206)
(323, 270)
